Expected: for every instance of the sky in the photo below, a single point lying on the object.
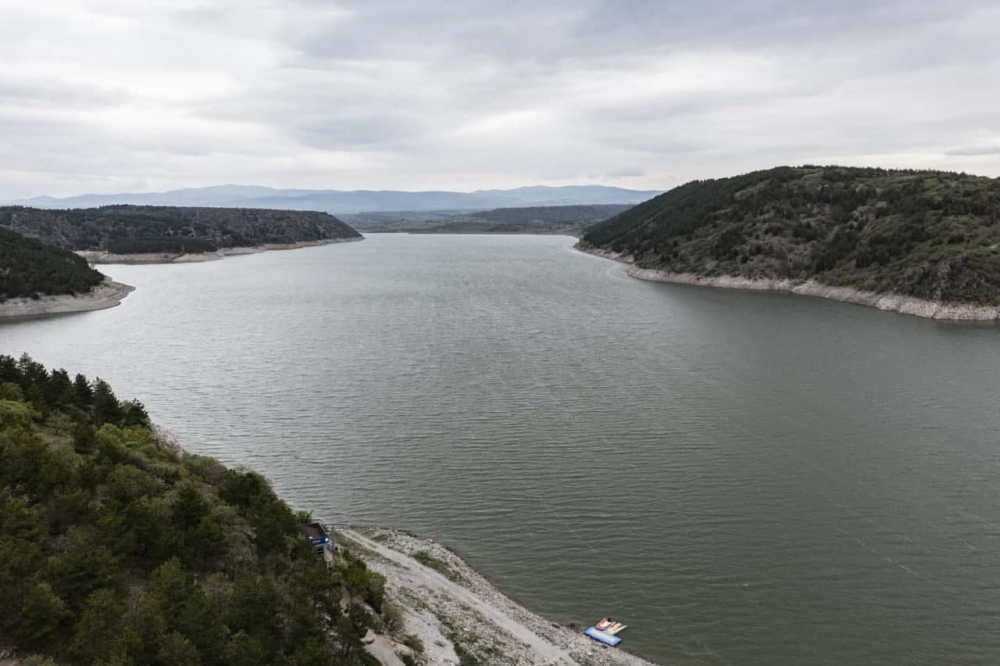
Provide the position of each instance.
(111, 96)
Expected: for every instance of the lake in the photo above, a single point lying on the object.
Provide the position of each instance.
(742, 478)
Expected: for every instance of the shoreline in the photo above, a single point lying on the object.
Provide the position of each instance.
(95, 257)
(448, 605)
(106, 295)
(571, 233)
(887, 302)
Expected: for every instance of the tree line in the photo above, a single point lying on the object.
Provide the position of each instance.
(30, 268)
(118, 550)
(134, 229)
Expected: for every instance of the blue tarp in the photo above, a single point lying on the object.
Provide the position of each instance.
(603, 636)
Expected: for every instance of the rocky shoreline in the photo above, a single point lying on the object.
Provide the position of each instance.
(104, 257)
(908, 305)
(455, 611)
(447, 612)
(108, 294)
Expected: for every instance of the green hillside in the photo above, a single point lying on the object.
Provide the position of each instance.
(145, 229)
(569, 220)
(927, 234)
(30, 268)
(116, 549)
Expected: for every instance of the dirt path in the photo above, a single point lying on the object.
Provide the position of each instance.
(425, 578)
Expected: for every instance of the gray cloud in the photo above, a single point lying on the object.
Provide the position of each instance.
(104, 95)
(973, 151)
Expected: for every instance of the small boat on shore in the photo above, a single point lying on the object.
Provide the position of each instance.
(605, 631)
(609, 625)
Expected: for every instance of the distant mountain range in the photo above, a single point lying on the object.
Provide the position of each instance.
(344, 202)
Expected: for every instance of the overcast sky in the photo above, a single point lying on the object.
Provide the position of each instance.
(126, 95)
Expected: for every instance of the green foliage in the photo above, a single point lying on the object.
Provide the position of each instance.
(413, 642)
(927, 234)
(11, 392)
(362, 582)
(374, 593)
(107, 409)
(271, 518)
(244, 650)
(42, 611)
(98, 627)
(465, 658)
(29, 268)
(136, 554)
(15, 414)
(29, 386)
(432, 562)
(353, 626)
(176, 650)
(313, 652)
(83, 565)
(83, 392)
(39, 660)
(392, 616)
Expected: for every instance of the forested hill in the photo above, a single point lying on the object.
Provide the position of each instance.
(140, 229)
(30, 268)
(570, 220)
(118, 549)
(927, 234)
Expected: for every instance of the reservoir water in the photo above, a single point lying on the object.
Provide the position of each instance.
(743, 478)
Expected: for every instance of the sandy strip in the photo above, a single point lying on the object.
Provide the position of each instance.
(454, 605)
(104, 257)
(909, 305)
(105, 295)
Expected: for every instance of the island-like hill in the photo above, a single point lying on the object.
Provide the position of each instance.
(569, 220)
(30, 269)
(921, 242)
(126, 230)
(38, 279)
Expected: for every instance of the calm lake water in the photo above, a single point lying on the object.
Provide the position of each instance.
(742, 478)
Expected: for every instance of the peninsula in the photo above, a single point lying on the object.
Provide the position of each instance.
(39, 279)
(925, 243)
(160, 234)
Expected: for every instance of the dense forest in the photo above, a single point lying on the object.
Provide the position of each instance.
(571, 220)
(144, 229)
(117, 549)
(928, 234)
(30, 268)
